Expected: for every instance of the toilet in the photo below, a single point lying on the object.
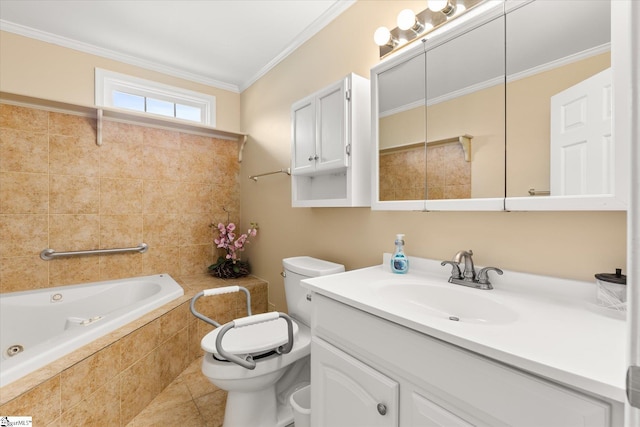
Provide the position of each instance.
(259, 396)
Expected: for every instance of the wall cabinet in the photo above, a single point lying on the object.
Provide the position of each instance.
(360, 361)
(330, 139)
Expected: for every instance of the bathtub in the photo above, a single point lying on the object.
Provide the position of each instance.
(38, 327)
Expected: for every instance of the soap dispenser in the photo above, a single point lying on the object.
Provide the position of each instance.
(399, 261)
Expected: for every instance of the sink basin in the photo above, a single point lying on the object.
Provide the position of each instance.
(448, 302)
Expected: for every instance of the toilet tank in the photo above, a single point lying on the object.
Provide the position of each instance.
(300, 268)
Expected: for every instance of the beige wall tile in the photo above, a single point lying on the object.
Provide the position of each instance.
(84, 378)
(22, 151)
(139, 385)
(74, 232)
(71, 271)
(197, 198)
(162, 197)
(195, 230)
(174, 321)
(173, 357)
(138, 344)
(23, 273)
(195, 259)
(42, 403)
(73, 194)
(161, 163)
(121, 153)
(102, 408)
(73, 155)
(24, 193)
(120, 196)
(119, 231)
(23, 235)
(119, 266)
(23, 118)
(161, 229)
(72, 125)
(161, 138)
(161, 259)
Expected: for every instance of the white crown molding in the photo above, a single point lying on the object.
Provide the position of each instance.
(110, 54)
(329, 15)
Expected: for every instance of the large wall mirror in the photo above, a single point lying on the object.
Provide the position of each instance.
(440, 122)
(560, 146)
(509, 110)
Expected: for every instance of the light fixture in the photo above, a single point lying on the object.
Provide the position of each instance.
(383, 37)
(413, 26)
(444, 6)
(407, 21)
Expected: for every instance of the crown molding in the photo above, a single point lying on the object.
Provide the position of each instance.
(110, 54)
(329, 15)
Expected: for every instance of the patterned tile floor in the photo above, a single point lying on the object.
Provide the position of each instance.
(189, 401)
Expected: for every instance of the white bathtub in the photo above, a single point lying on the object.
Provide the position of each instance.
(38, 327)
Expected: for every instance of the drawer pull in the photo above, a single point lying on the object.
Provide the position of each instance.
(382, 409)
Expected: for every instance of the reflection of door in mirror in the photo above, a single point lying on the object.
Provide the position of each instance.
(551, 47)
(401, 131)
(465, 98)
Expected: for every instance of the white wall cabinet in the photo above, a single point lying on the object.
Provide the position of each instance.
(330, 145)
(438, 384)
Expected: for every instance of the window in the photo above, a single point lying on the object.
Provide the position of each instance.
(131, 93)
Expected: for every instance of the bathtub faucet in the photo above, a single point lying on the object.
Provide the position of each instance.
(469, 277)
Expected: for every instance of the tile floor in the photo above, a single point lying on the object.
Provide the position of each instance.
(189, 401)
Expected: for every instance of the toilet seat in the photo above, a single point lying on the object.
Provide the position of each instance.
(253, 339)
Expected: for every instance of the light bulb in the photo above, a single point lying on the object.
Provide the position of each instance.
(437, 5)
(382, 36)
(406, 19)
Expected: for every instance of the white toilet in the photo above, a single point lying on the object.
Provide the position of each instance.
(259, 397)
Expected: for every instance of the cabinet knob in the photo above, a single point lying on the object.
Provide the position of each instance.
(312, 158)
(382, 409)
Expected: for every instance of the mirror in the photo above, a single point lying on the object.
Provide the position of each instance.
(401, 130)
(465, 115)
(559, 102)
(440, 121)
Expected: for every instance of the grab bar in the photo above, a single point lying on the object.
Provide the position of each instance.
(49, 254)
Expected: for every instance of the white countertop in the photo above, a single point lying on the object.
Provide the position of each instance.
(559, 332)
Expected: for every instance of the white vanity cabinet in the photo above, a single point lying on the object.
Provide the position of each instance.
(330, 138)
(360, 361)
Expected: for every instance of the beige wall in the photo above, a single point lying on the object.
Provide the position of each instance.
(43, 70)
(567, 244)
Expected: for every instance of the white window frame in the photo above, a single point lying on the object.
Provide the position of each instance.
(107, 82)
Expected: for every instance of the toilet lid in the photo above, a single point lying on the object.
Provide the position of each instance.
(252, 339)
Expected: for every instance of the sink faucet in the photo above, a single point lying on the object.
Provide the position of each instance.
(469, 269)
(469, 277)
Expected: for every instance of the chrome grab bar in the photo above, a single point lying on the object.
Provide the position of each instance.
(49, 254)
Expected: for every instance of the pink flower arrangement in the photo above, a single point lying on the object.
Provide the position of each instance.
(231, 243)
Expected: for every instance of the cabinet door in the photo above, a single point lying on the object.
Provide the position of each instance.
(346, 392)
(303, 134)
(426, 413)
(332, 124)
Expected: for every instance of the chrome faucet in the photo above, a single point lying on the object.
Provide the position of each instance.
(468, 277)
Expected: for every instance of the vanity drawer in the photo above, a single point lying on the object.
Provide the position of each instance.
(475, 388)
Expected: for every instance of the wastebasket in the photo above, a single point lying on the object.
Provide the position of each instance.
(301, 403)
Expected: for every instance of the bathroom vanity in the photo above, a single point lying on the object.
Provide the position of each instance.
(415, 350)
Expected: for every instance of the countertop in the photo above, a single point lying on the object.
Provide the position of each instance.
(560, 333)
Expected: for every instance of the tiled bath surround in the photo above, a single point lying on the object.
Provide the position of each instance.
(59, 190)
(119, 375)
